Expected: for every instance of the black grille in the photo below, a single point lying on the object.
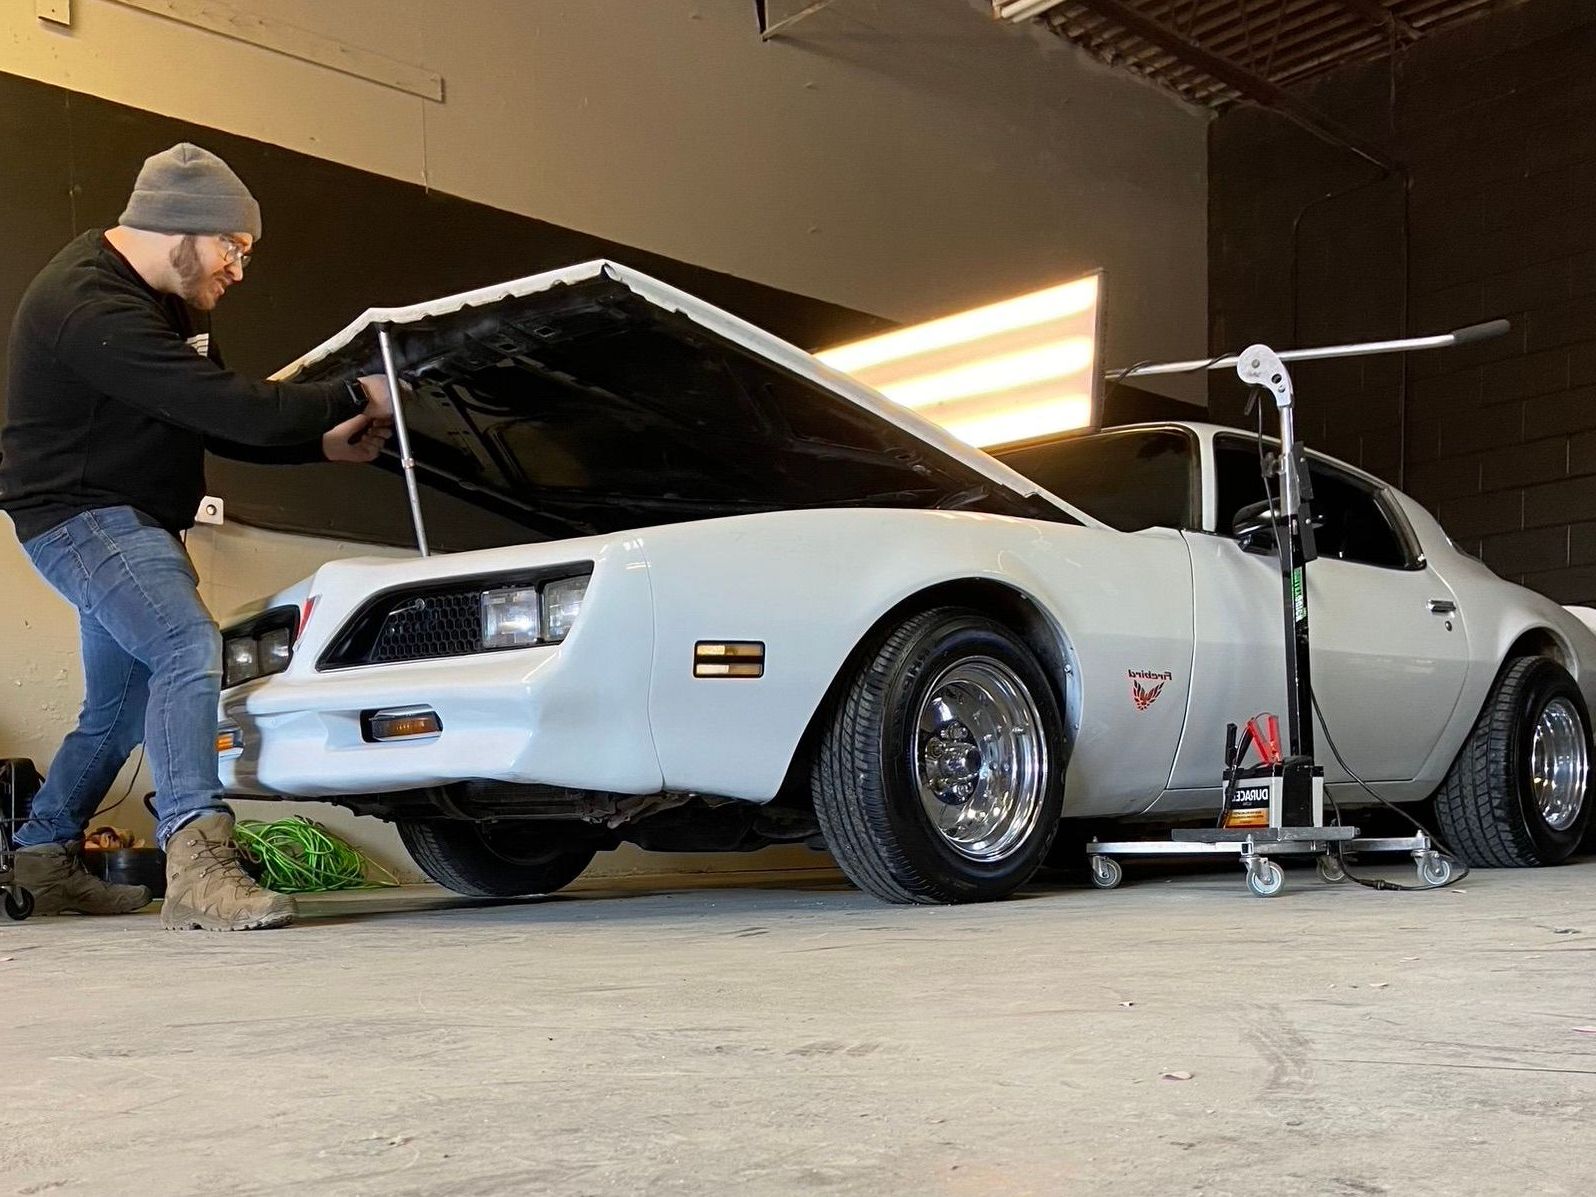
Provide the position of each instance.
(417, 627)
(430, 620)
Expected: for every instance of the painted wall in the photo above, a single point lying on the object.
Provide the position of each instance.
(901, 157)
(1494, 123)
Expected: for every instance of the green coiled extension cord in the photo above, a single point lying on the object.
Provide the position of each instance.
(298, 856)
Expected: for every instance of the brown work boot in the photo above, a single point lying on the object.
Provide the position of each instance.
(208, 890)
(55, 876)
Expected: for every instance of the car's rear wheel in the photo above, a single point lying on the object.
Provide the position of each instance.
(1519, 792)
(497, 860)
(940, 775)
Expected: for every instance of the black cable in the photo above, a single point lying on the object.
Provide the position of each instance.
(1115, 377)
(1208, 365)
(108, 809)
(1435, 840)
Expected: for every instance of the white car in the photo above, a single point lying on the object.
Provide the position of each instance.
(739, 599)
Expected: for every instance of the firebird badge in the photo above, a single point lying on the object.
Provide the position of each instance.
(1143, 694)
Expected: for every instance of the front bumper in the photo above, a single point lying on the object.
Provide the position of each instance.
(572, 715)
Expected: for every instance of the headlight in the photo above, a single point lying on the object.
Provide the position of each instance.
(259, 647)
(521, 616)
(562, 603)
(509, 618)
(276, 648)
(241, 660)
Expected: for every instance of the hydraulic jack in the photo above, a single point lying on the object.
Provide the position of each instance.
(1276, 808)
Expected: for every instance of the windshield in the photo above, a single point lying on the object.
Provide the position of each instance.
(1139, 478)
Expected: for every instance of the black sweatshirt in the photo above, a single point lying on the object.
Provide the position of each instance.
(114, 393)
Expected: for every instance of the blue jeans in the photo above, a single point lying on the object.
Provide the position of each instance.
(152, 667)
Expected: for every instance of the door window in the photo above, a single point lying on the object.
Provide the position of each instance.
(1350, 519)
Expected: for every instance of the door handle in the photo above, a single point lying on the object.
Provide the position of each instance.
(1443, 606)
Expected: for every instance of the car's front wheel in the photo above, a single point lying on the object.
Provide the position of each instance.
(1519, 792)
(498, 860)
(940, 775)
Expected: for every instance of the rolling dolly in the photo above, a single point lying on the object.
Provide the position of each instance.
(1276, 808)
(16, 901)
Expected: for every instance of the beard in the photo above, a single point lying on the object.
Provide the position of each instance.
(197, 288)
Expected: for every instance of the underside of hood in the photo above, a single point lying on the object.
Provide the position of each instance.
(595, 399)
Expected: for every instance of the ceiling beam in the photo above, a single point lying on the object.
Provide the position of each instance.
(1253, 87)
(1378, 14)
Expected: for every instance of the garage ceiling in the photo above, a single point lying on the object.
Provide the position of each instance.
(1216, 52)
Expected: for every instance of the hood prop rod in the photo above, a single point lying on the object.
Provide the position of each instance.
(407, 460)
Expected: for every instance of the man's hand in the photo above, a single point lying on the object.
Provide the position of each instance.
(379, 405)
(358, 439)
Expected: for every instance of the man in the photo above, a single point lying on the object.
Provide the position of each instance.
(114, 394)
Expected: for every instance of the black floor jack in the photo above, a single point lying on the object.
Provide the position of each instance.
(1276, 807)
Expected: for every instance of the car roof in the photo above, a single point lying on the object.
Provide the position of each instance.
(1207, 430)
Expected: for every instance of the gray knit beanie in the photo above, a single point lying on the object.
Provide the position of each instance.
(189, 190)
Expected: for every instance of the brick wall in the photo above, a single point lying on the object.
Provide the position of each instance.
(1496, 123)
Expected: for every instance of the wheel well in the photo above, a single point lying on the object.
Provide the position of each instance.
(999, 601)
(1535, 642)
(1540, 642)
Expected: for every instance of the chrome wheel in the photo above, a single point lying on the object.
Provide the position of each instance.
(1559, 764)
(980, 759)
(1515, 796)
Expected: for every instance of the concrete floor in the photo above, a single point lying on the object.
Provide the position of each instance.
(793, 1036)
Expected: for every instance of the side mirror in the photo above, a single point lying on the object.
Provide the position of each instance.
(1254, 527)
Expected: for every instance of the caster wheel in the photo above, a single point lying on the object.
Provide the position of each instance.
(1266, 878)
(1107, 872)
(18, 904)
(1434, 870)
(1331, 870)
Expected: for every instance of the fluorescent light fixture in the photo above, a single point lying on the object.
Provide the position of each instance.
(1022, 10)
(987, 376)
(1022, 424)
(1010, 371)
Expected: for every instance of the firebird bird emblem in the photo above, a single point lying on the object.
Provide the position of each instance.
(1145, 696)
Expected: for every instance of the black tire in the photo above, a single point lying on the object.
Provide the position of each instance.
(865, 781)
(503, 860)
(1486, 809)
(1067, 854)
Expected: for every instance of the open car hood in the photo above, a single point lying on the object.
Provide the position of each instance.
(595, 399)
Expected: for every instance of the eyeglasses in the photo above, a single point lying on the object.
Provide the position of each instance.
(233, 253)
